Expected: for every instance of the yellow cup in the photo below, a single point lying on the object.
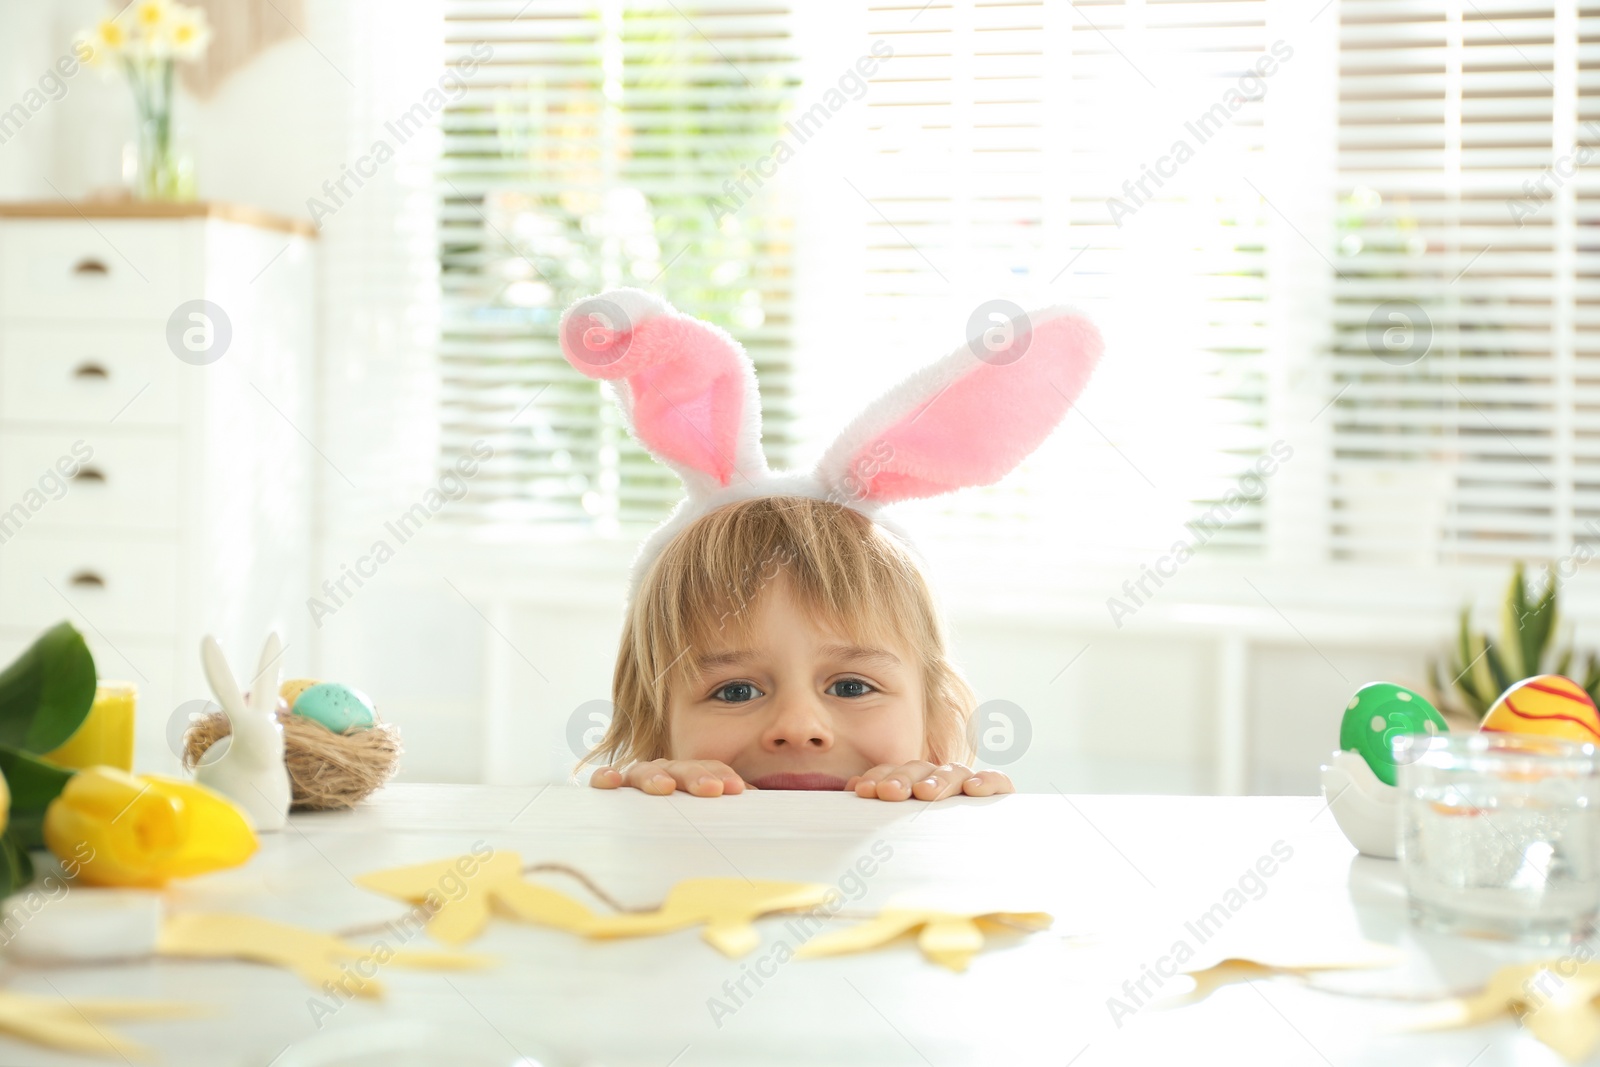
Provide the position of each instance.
(106, 736)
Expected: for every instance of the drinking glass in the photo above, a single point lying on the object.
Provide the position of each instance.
(1500, 834)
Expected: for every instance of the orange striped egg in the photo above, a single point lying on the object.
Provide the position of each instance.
(1546, 704)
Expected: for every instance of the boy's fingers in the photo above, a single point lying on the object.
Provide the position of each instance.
(701, 778)
(865, 783)
(941, 782)
(695, 778)
(987, 784)
(651, 777)
(731, 782)
(893, 783)
(705, 778)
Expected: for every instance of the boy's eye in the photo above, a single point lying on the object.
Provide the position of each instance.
(850, 687)
(736, 693)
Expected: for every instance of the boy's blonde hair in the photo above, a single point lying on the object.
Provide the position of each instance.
(845, 571)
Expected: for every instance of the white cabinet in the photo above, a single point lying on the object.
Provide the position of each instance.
(150, 498)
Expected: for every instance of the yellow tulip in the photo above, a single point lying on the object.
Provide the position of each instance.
(5, 804)
(121, 829)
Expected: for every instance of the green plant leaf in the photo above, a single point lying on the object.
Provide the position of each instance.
(1499, 679)
(16, 866)
(1513, 624)
(47, 691)
(33, 782)
(1543, 618)
(1464, 653)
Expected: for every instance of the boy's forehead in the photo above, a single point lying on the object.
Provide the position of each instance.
(863, 654)
(777, 610)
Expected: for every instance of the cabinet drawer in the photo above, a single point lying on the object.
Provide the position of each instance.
(123, 481)
(118, 587)
(115, 268)
(88, 374)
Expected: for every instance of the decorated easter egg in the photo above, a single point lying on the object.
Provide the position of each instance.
(1546, 704)
(1379, 713)
(291, 689)
(338, 707)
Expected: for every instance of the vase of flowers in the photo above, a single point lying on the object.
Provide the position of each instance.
(145, 41)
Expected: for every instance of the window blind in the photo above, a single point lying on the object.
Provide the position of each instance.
(1029, 151)
(1466, 368)
(586, 153)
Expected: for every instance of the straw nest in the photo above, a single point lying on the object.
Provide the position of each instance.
(326, 770)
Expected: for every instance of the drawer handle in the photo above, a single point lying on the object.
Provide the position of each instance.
(88, 580)
(90, 474)
(90, 265)
(90, 370)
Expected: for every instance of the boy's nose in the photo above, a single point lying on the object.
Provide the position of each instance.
(798, 725)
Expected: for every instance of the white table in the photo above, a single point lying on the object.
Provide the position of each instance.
(1128, 870)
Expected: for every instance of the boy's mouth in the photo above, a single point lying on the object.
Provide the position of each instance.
(791, 780)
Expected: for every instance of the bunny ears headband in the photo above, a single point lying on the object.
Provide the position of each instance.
(688, 392)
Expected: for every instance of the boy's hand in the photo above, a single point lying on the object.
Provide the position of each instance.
(924, 781)
(700, 778)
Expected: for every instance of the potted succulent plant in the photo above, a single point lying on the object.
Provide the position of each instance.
(1479, 668)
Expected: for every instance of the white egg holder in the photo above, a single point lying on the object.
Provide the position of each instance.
(1366, 808)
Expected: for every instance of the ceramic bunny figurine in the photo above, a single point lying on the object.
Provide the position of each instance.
(251, 772)
(689, 393)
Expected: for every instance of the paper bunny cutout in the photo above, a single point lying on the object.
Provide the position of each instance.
(252, 772)
(688, 392)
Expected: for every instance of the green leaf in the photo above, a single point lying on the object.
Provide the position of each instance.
(16, 866)
(1464, 652)
(28, 827)
(1499, 679)
(1542, 623)
(33, 782)
(1513, 624)
(46, 693)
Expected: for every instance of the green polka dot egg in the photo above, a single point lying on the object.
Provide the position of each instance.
(1379, 713)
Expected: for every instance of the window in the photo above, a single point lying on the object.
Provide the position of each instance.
(1467, 368)
(585, 154)
(1099, 155)
(1134, 159)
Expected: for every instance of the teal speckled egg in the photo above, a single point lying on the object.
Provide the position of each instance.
(338, 707)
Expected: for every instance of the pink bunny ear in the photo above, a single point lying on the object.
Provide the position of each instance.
(687, 389)
(965, 420)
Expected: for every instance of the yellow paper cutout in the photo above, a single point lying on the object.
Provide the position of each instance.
(947, 938)
(1275, 954)
(315, 957)
(1557, 1007)
(465, 889)
(727, 907)
(70, 1024)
